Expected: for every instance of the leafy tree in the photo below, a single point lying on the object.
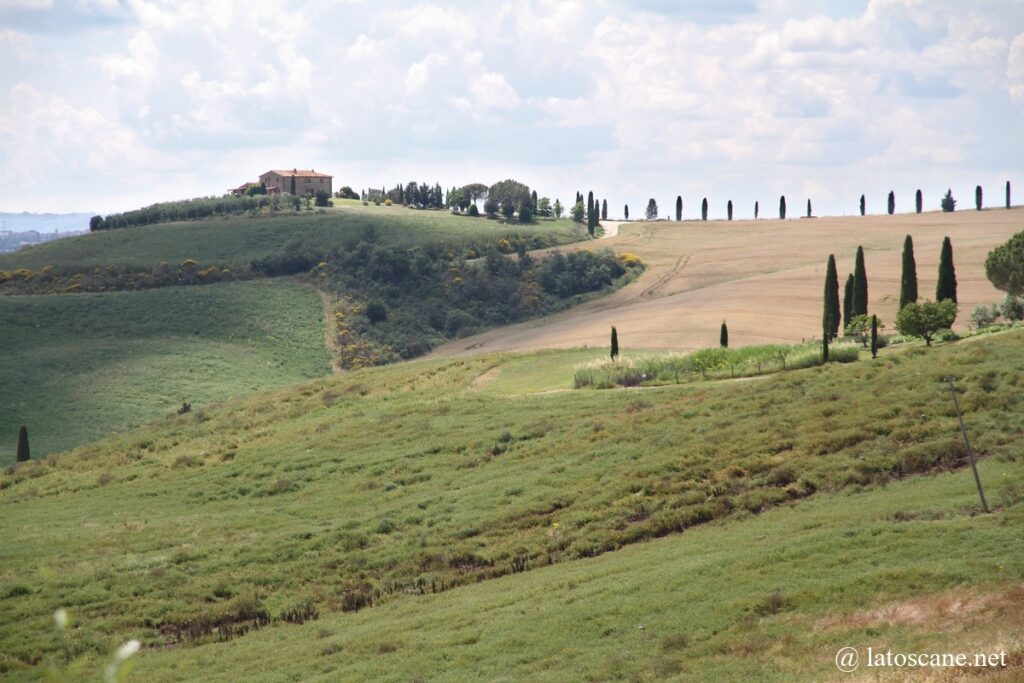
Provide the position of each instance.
(982, 316)
(491, 206)
(948, 203)
(95, 223)
(475, 192)
(925, 319)
(782, 207)
(908, 278)
(892, 202)
(1007, 194)
(23, 450)
(652, 209)
(604, 209)
(756, 210)
(526, 212)
(946, 286)
(874, 336)
(1004, 266)
(543, 207)
(1012, 308)
(509, 194)
(860, 285)
(808, 207)
(723, 336)
(977, 198)
(918, 201)
(704, 209)
(832, 313)
(848, 300)
(577, 212)
(859, 328)
(558, 209)
(615, 344)
(679, 207)
(728, 209)
(625, 211)
(473, 211)
(862, 207)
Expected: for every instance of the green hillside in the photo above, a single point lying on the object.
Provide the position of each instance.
(377, 488)
(76, 367)
(236, 240)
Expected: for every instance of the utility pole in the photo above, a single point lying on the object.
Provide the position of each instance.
(967, 443)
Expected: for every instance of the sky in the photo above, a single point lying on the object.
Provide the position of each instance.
(107, 105)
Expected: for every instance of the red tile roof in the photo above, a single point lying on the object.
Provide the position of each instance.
(299, 173)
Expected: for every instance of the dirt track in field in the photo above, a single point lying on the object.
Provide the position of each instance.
(765, 278)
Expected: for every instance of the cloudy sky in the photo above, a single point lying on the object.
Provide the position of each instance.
(110, 104)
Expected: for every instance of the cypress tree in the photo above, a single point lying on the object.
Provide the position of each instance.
(977, 197)
(293, 185)
(704, 209)
(892, 202)
(533, 196)
(615, 344)
(860, 285)
(591, 223)
(756, 207)
(625, 211)
(728, 209)
(723, 336)
(862, 205)
(874, 336)
(23, 451)
(946, 287)
(782, 207)
(1007, 194)
(604, 209)
(848, 301)
(679, 207)
(824, 348)
(808, 207)
(918, 201)
(832, 312)
(908, 280)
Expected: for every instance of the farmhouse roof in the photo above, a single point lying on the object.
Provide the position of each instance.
(300, 173)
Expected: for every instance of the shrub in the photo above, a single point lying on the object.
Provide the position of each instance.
(376, 312)
(1012, 308)
(948, 203)
(473, 211)
(983, 315)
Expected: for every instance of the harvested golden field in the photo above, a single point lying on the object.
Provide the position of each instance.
(764, 277)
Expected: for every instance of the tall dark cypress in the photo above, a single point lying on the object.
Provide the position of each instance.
(908, 279)
(723, 336)
(946, 287)
(862, 205)
(23, 451)
(728, 209)
(679, 207)
(977, 197)
(591, 222)
(604, 209)
(615, 344)
(874, 336)
(1007, 194)
(533, 199)
(832, 313)
(848, 301)
(782, 207)
(292, 185)
(860, 285)
(704, 209)
(919, 201)
(756, 210)
(808, 207)
(824, 348)
(625, 211)
(892, 202)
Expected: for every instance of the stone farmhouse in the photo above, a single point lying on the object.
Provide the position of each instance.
(293, 181)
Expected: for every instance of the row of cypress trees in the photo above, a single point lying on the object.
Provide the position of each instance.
(947, 203)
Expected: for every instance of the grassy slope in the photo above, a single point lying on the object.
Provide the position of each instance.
(80, 366)
(390, 475)
(236, 240)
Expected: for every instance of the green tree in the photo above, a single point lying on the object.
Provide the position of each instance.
(533, 200)
(977, 197)
(526, 212)
(918, 201)
(860, 285)
(862, 205)
(543, 207)
(946, 286)
(591, 222)
(925, 319)
(908, 278)
(509, 194)
(577, 212)
(723, 336)
(323, 198)
(728, 209)
(625, 211)
(652, 209)
(604, 209)
(892, 202)
(782, 207)
(1007, 194)
(292, 186)
(808, 207)
(859, 328)
(95, 223)
(558, 209)
(615, 344)
(23, 450)
(679, 207)
(1004, 266)
(832, 313)
(704, 209)
(948, 203)
(756, 210)
(824, 348)
(874, 336)
(848, 300)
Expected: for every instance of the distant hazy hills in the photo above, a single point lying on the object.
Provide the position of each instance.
(44, 222)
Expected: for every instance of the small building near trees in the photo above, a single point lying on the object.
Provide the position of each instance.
(296, 181)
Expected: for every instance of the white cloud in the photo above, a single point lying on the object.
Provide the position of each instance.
(17, 44)
(1015, 69)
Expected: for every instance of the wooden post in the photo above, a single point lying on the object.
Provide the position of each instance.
(967, 443)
